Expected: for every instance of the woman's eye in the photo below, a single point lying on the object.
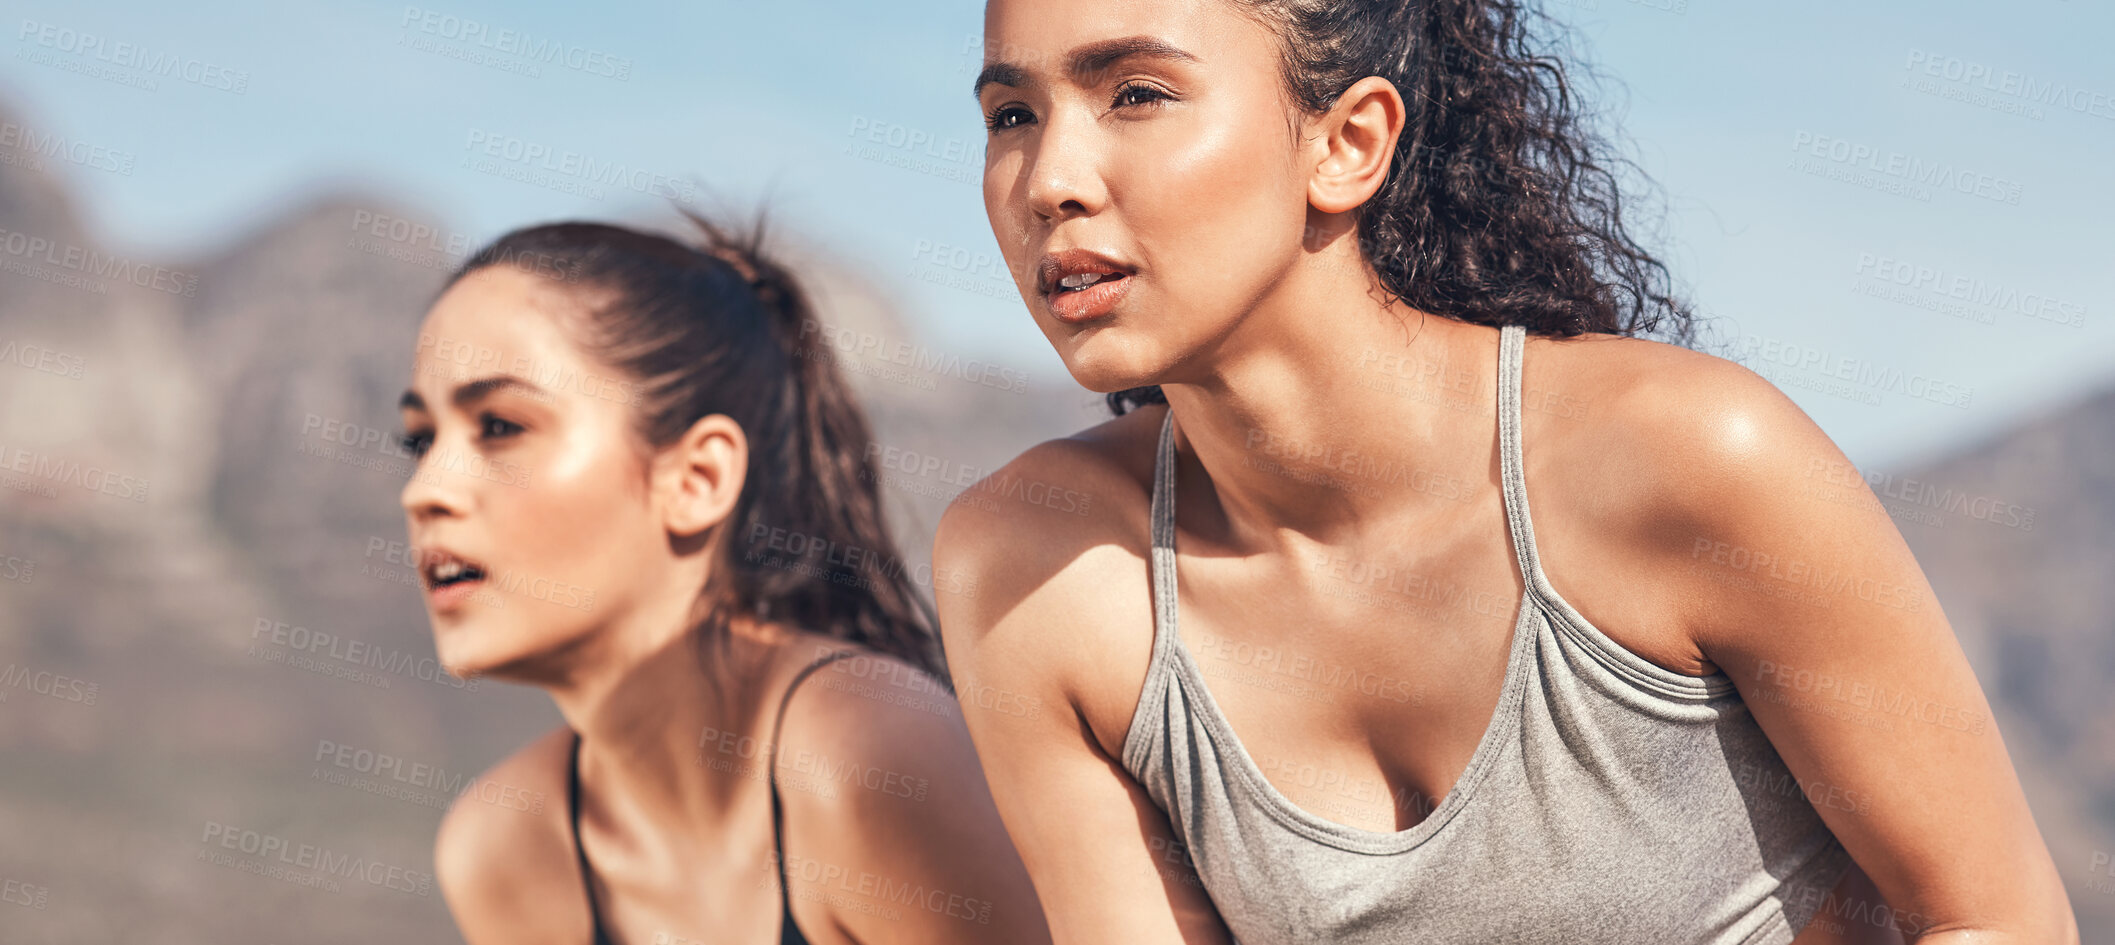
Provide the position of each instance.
(1138, 93)
(492, 426)
(997, 120)
(414, 443)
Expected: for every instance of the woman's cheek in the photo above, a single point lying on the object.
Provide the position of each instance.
(570, 523)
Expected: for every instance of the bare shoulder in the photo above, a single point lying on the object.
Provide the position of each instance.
(866, 709)
(503, 855)
(1663, 437)
(1055, 590)
(1644, 458)
(878, 777)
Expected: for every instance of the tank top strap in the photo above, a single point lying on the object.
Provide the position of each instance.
(1164, 540)
(1512, 340)
(1140, 736)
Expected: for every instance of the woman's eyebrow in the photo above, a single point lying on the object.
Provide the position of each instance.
(473, 391)
(1086, 63)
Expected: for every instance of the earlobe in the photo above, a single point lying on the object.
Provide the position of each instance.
(1358, 142)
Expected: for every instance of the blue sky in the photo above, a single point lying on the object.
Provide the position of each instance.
(1813, 159)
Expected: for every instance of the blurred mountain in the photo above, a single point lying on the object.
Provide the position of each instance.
(2014, 534)
(200, 385)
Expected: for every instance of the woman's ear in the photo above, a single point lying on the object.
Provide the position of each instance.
(698, 479)
(1355, 141)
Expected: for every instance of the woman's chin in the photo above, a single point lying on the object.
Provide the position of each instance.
(1104, 375)
(464, 655)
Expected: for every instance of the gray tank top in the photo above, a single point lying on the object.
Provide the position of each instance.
(1610, 800)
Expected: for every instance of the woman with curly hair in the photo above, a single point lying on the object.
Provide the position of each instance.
(1355, 278)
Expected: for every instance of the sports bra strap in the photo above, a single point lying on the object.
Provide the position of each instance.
(587, 873)
(778, 846)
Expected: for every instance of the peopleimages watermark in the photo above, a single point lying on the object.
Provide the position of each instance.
(15, 892)
(803, 768)
(1924, 494)
(42, 359)
(1343, 796)
(2103, 864)
(1776, 780)
(916, 150)
(565, 170)
(1870, 696)
(505, 49)
(82, 262)
(1280, 663)
(46, 471)
(48, 683)
(917, 357)
(122, 62)
(835, 562)
(374, 448)
(1939, 283)
(324, 865)
(457, 358)
(417, 782)
(1796, 364)
(1828, 584)
(2028, 89)
(1429, 381)
(501, 579)
(407, 574)
(820, 878)
(974, 485)
(25, 145)
(1378, 584)
(430, 247)
(1897, 173)
(1834, 912)
(329, 654)
(975, 271)
(1312, 461)
(892, 683)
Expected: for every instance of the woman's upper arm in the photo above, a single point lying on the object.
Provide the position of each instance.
(1041, 618)
(1807, 597)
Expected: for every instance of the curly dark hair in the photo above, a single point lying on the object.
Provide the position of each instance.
(1500, 206)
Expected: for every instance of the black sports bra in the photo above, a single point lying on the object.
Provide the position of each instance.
(788, 931)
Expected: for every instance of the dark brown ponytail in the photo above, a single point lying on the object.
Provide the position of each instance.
(1499, 207)
(721, 327)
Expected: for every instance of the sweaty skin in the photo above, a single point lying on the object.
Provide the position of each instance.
(1155, 134)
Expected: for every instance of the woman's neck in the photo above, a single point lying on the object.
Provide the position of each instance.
(651, 720)
(1322, 425)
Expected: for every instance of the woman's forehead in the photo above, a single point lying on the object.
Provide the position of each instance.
(496, 320)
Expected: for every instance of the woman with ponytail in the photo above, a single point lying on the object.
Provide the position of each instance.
(643, 488)
(1355, 279)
